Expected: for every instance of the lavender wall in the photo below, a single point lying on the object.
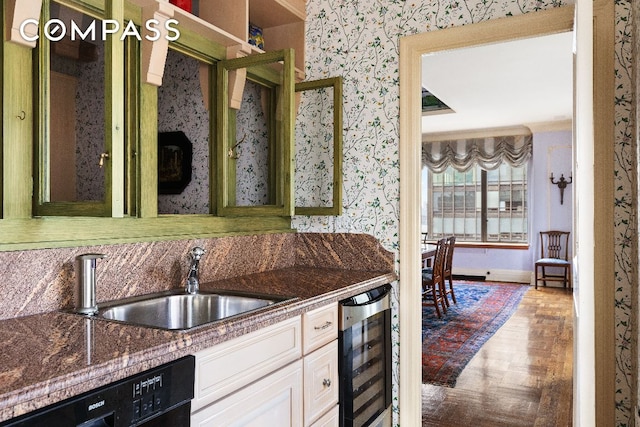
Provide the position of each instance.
(551, 153)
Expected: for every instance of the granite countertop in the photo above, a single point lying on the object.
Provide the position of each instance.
(49, 357)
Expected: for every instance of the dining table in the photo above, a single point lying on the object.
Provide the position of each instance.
(428, 253)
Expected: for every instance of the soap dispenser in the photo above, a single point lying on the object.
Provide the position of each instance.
(85, 294)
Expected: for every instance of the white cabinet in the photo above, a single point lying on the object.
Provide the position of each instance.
(320, 344)
(225, 368)
(275, 400)
(265, 378)
(320, 382)
(330, 419)
(320, 326)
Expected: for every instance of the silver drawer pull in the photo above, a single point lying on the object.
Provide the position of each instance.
(326, 382)
(325, 325)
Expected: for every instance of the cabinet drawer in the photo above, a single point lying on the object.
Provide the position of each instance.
(320, 382)
(275, 400)
(226, 367)
(330, 419)
(320, 327)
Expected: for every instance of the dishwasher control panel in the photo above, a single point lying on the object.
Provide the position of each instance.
(149, 396)
(159, 396)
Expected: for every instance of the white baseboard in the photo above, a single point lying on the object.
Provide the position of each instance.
(516, 276)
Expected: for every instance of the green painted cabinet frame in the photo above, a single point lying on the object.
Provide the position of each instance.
(336, 206)
(280, 142)
(132, 129)
(20, 229)
(112, 204)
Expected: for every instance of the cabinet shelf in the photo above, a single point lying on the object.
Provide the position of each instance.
(299, 71)
(206, 29)
(188, 21)
(226, 23)
(273, 13)
(282, 23)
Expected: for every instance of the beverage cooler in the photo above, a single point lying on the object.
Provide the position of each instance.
(365, 359)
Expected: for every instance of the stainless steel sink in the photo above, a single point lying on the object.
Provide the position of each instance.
(179, 310)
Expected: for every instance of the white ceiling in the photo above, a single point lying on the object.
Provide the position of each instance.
(524, 82)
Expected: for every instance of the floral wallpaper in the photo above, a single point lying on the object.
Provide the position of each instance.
(625, 215)
(181, 108)
(360, 42)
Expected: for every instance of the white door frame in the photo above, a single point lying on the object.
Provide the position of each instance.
(411, 50)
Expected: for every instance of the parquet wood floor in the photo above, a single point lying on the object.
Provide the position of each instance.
(522, 376)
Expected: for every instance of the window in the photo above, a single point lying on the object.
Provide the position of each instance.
(477, 205)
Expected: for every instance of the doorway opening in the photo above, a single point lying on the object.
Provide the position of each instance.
(486, 163)
(546, 22)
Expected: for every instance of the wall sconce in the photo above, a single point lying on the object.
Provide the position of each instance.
(562, 184)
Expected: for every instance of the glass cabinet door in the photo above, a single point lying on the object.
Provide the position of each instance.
(318, 155)
(255, 136)
(79, 136)
(184, 134)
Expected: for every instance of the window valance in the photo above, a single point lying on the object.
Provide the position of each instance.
(488, 152)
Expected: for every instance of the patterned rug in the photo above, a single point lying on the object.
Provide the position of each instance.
(449, 343)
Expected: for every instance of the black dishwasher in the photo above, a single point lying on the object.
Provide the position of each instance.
(158, 397)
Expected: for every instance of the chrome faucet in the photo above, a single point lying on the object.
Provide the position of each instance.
(192, 279)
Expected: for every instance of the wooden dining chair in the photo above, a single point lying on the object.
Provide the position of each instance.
(554, 253)
(433, 290)
(446, 272)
